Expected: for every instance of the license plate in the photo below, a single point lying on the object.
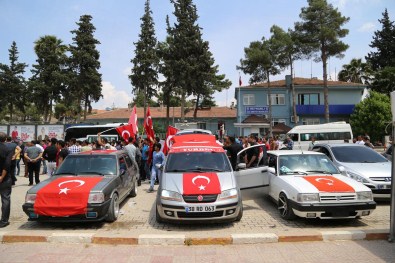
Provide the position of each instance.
(202, 208)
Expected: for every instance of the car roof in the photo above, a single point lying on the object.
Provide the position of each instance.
(331, 145)
(196, 143)
(193, 131)
(292, 152)
(102, 152)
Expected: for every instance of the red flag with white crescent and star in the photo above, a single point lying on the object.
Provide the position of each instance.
(149, 131)
(133, 121)
(65, 196)
(125, 131)
(171, 131)
(329, 184)
(200, 183)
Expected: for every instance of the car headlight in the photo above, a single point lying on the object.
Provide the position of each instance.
(170, 195)
(307, 198)
(228, 194)
(30, 198)
(365, 196)
(96, 198)
(357, 177)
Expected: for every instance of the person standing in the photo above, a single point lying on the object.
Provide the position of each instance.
(5, 181)
(158, 160)
(73, 148)
(62, 152)
(14, 148)
(33, 155)
(252, 156)
(49, 155)
(131, 149)
(18, 158)
(232, 149)
(312, 143)
(144, 160)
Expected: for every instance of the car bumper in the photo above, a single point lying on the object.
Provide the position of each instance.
(173, 211)
(381, 193)
(94, 213)
(327, 211)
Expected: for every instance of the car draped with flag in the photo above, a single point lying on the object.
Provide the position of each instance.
(198, 183)
(307, 184)
(87, 187)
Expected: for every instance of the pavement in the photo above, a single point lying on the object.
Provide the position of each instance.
(136, 224)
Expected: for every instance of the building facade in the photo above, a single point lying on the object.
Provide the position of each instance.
(253, 101)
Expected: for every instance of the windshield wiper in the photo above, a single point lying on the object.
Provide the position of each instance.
(86, 172)
(205, 169)
(368, 162)
(176, 171)
(68, 173)
(295, 172)
(318, 171)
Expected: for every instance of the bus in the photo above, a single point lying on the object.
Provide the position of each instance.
(334, 132)
(89, 132)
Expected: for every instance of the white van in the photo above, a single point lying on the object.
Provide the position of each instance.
(334, 132)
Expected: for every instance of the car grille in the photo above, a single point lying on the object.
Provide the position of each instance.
(380, 179)
(329, 198)
(200, 215)
(194, 198)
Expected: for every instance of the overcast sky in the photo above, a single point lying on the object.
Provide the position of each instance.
(228, 25)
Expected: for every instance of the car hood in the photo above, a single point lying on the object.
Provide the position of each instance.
(174, 181)
(318, 183)
(369, 169)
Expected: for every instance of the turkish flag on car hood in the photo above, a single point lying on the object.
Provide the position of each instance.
(65, 196)
(201, 183)
(329, 184)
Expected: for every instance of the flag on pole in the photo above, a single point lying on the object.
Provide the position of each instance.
(171, 131)
(133, 121)
(240, 82)
(148, 127)
(125, 131)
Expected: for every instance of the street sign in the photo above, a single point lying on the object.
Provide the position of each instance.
(257, 110)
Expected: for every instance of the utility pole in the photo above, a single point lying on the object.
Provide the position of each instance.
(392, 207)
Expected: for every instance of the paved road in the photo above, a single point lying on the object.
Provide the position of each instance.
(138, 217)
(337, 251)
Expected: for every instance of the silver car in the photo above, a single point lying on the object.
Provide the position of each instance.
(362, 164)
(198, 184)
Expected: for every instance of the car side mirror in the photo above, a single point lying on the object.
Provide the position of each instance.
(271, 170)
(241, 166)
(342, 169)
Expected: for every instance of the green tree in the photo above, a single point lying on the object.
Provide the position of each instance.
(12, 83)
(320, 32)
(85, 84)
(144, 75)
(375, 107)
(49, 74)
(356, 71)
(140, 100)
(384, 80)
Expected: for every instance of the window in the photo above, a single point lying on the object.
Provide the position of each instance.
(308, 121)
(309, 99)
(326, 136)
(277, 121)
(277, 99)
(249, 99)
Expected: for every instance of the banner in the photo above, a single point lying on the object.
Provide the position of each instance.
(23, 132)
(4, 129)
(50, 131)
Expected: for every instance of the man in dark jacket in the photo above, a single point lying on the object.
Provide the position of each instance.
(232, 149)
(5, 181)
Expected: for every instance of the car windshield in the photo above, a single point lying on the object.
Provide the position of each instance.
(306, 164)
(198, 162)
(81, 164)
(354, 154)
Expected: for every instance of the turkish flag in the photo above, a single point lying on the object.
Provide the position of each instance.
(329, 184)
(171, 131)
(200, 183)
(125, 131)
(65, 196)
(133, 121)
(149, 127)
(240, 82)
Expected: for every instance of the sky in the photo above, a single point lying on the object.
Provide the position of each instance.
(228, 25)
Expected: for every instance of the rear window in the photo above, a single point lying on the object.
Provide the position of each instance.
(363, 154)
(197, 162)
(88, 164)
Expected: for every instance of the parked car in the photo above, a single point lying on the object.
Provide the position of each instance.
(87, 187)
(198, 183)
(388, 153)
(307, 184)
(362, 164)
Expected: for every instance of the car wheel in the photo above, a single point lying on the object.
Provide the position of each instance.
(157, 216)
(113, 210)
(240, 215)
(284, 208)
(133, 192)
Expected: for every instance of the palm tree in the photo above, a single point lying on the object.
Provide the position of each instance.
(356, 72)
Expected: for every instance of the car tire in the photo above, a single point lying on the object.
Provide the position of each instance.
(240, 215)
(113, 210)
(157, 216)
(284, 208)
(133, 192)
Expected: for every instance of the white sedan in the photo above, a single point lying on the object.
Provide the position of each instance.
(306, 184)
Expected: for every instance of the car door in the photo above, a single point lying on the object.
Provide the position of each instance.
(123, 174)
(252, 177)
(131, 171)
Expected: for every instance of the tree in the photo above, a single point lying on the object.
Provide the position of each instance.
(375, 107)
(12, 83)
(383, 44)
(144, 75)
(84, 63)
(140, 100)
(384, 80)
(320, 31)
(356, 72)
(261, 60)
(49, 74)
(289, 50)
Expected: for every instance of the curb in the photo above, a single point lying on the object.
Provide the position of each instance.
(179, 239)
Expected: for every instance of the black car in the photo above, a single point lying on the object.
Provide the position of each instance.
(87, 187)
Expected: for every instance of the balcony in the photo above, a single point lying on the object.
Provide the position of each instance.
(320, 109)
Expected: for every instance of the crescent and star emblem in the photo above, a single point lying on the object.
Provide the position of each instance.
(169, 140)
(325, 181)
(127, 132)
(201, 187)
(64, 190)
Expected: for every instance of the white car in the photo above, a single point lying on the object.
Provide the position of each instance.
(307, 184)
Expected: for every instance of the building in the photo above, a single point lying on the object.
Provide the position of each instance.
(207, 118)
(253, 106)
